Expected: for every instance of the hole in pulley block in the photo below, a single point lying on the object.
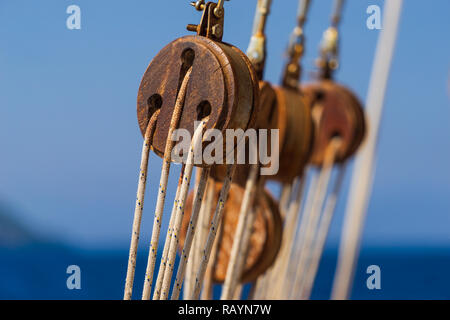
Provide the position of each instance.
(203, 110)
(320, 96)
(187, 60)
(154, 103)
(335, 134)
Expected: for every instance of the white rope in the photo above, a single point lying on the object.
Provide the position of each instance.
(188, 285)
(240, 240)
(205, 223)
(280, 272)
(139, 207)
(153, 250)
(185, 253)
(283, 286)
(188, 275)
(285, 199)
(312, 216)
(321, 237)
(162, 267)
(208, 286)
(175, 237)
(213, 230)
(362, 177)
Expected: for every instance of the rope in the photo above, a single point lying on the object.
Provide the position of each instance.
(265, 285)
(362, 177)
(198, 238)
(311, 217)
(213, 230)
(148, 139)
(337, 12)
(285, 199)
(162, 267)
(241, 236)
(174, 239)
(163, 188)
(207, 287)
(281, 268)
(262, 12)
(322, 232)
(190, 232)
(207, 293)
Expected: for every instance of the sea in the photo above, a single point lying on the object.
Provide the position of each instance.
(40, 271)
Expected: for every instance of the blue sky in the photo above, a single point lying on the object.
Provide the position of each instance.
(70, 144)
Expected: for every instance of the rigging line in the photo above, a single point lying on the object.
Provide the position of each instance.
(363, 171)
(187, 286)
(262, 12)
(240, 239)
(194, 254)
(213, 230)
(337, 12)
(153, 250)
(296, 47)
(207, 292)
(256, 51)
(185, 253)
(281, 268)
(260, 288)
(285, 199)
(322, 233)
(189, 265)
(202, 240)
(175, 238)
(328, 60)
(292, 255)
(314, 214)
(302, 11)
(162, 267)
(253, 287)
(139, 207)
(238, 292)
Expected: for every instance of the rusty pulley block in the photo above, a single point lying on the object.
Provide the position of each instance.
(264, 119)
(293, 119)
(336, 112)
(222, 85)
(265, 239)
(288, 111)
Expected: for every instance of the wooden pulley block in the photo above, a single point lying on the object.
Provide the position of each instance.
(292, 117)
(265, 239)
(263, 120)
(223, 85)
(336, 112)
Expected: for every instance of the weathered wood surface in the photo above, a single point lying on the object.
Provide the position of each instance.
(265, 240)
(293, 118)
(336, 112)
(223, 85)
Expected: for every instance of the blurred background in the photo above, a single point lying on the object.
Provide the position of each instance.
(70, 144)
